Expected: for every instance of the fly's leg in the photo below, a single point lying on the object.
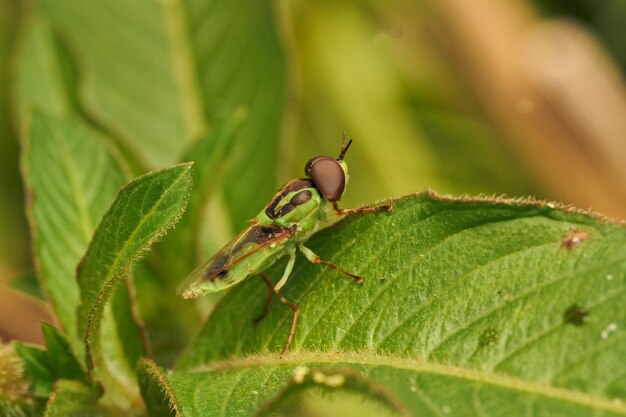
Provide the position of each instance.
(270, 293)
(276, 290)
(313, 258)
(296, 313)
(341, 212)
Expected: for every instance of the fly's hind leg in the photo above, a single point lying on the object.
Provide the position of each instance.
(314, 258)
(276, 290)
(364, 210)
(294, 321)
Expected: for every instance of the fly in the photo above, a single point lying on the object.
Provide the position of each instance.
(298, 210)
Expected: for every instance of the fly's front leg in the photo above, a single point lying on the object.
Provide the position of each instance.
(313, 258)
(341, 212)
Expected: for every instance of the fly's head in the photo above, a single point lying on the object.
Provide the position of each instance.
(329, 174)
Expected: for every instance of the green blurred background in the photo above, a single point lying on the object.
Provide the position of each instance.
(492, 97)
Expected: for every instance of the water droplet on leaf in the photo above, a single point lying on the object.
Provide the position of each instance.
(611, 328)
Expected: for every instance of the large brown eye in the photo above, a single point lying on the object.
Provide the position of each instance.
(307, 167)
(328, 177)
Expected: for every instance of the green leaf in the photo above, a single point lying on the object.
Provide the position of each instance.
(155, 389)
(409, 388)
(139, 216)
(469, 307)
(70, 178)
(172, 68)
(46, 367)
(71, 398)
(121, 70)
(61, 358)
(38, 368)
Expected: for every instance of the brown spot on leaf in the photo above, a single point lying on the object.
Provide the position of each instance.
(574, 238)
(575, 315)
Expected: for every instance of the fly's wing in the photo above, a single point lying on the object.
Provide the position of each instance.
(251, 251)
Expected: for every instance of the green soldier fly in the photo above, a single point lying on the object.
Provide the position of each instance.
(298, 210)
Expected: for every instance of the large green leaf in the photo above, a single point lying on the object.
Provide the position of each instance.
(71, 178)
(139, 216)
(469, 307)
(407, 388)
(158, 73)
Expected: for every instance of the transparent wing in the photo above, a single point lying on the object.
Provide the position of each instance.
(216, 274)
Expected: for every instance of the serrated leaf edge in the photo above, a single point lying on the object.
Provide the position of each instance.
(110, 281)
(153, 370)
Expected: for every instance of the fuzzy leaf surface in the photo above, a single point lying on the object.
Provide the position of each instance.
(470, 306)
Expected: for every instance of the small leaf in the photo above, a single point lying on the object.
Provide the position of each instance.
(38, 368)
(73, 399)
(61, 359)
(139, 216)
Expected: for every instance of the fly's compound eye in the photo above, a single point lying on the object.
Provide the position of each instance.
(328, 176)
(309, 165)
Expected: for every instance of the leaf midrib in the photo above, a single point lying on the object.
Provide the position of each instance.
(86, 221)
(376, 359)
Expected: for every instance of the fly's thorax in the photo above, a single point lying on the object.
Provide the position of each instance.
(301, 209)
(297, 201)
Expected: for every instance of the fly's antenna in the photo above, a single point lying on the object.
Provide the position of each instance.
(344, 147)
